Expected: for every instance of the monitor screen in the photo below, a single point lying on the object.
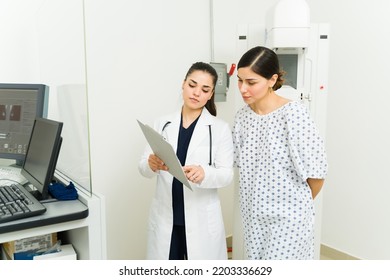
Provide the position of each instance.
(19, 105)
(42, 154)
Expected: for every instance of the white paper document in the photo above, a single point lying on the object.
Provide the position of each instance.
(165, 152)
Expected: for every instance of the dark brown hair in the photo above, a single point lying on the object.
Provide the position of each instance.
(264, 62)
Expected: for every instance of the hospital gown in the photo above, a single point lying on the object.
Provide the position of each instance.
(275, 154)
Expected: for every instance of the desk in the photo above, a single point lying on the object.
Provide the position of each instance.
(81, 223)
(56, 212)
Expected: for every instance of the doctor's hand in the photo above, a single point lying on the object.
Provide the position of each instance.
(156, 164)
(194, 173)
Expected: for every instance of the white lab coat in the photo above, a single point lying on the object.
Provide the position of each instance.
(205, 230)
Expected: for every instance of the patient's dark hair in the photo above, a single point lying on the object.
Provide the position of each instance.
(264, 62)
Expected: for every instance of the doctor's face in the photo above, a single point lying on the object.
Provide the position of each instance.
(198, 88)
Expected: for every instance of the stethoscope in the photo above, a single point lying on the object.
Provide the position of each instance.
(210, 136)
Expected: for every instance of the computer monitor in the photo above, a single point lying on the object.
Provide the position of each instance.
(19, 105)
(41, 156)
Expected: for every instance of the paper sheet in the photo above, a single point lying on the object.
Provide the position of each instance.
(165, 152)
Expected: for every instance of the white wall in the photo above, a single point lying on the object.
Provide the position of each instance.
(18, 63)
(136, 59)
(356, 195)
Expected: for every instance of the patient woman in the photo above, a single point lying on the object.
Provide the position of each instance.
(185, 224)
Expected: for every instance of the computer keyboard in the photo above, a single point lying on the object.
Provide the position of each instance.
(17, 203)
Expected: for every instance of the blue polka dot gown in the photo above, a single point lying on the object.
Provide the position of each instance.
(275, 154)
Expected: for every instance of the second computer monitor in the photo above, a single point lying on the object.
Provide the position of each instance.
(42, 154)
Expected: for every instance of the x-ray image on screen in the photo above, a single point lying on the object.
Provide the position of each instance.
(20, 104)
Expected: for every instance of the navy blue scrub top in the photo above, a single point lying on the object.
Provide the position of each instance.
(183, 142)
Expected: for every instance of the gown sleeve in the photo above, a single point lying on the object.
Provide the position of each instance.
(306, 144)
(237, 139)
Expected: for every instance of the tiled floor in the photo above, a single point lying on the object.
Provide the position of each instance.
(325, 257)
(327, 253)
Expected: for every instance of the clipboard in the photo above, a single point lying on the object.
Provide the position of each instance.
(165, 152)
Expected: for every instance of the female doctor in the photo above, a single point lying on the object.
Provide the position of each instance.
(185, 224)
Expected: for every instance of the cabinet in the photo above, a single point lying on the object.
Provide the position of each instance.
(87, 235)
